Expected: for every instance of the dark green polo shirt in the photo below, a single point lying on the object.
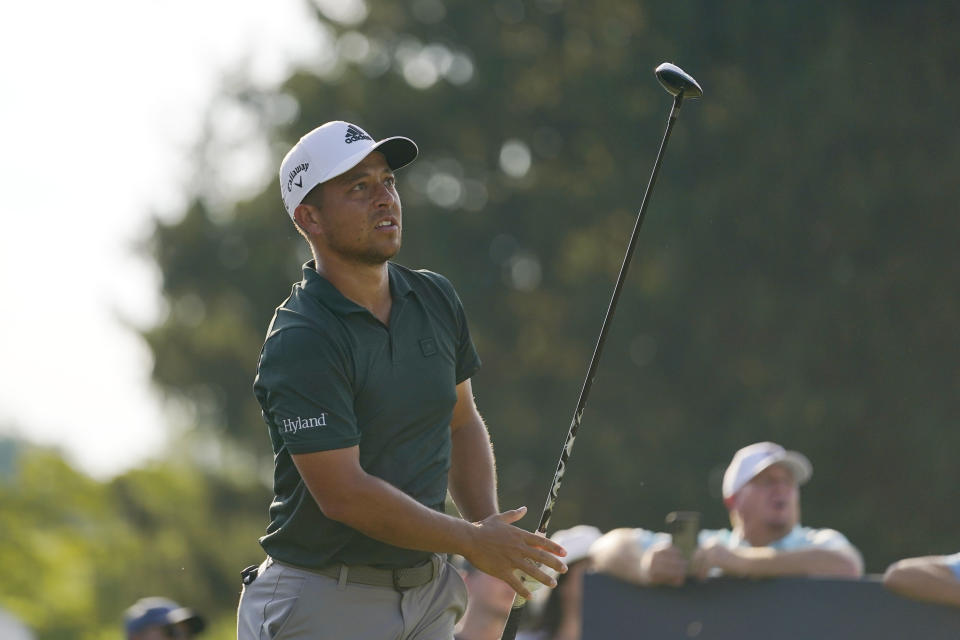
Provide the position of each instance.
(332, 376)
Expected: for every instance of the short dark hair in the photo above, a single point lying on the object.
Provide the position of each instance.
(314, 197)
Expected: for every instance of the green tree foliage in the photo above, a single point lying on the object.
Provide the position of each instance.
(77, 552)
(796, 279)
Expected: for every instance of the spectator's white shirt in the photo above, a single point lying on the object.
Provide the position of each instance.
(953, 562)
(799, 538)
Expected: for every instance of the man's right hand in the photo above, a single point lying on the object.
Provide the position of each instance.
(498, 548)
(663, 564)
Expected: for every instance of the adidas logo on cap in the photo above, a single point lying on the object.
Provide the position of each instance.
(354, 135)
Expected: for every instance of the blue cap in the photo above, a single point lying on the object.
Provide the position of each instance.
(148, 612)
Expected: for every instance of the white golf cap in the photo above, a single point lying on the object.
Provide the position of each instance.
(753, 459)
(577, 541)
(331, 150)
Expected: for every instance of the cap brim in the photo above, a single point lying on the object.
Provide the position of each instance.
(398, 151)
(798, 464)
(188, 617)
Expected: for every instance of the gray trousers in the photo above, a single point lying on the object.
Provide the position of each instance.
(288, 603)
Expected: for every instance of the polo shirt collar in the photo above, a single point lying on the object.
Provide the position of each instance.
(789, 541)
(319, 287)
(399, 287)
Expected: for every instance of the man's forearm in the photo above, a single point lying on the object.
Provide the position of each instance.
(473, 482)
(768, 562)
(383, 512)
(925, 579)
(617, 554)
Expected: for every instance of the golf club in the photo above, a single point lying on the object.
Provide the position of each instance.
(680, 85)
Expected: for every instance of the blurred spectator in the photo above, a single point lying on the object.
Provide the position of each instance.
(761, 493)
(488, 604)
(161, 619)
(557, 614)
(930, 578)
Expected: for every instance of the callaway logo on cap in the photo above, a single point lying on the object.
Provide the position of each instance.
(331, 150)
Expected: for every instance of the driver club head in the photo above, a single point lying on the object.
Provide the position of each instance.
(677, 81)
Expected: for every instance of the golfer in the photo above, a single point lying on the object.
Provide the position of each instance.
(364, 383)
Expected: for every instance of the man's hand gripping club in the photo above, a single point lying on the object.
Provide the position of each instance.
(513, 555)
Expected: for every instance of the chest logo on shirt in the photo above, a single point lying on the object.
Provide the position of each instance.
(428, 347)
(298, 424)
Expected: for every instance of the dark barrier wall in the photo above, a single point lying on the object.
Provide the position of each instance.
(780, 609)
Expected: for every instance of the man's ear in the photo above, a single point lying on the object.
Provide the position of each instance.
(307, 217)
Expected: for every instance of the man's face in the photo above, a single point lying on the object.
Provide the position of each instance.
(179, 631)
(769, 505)
(360, 217)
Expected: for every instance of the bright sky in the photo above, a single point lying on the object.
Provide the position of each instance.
(102, 100)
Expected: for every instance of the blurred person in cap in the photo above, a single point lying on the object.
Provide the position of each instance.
(557, 614)
(929, 578)
(761, 490)
(161, 619)
(364, 382)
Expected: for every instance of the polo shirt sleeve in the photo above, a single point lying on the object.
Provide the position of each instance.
(468, 360)
(644, 538)
(305, 390)
(829, 539)
(721, 537)
(953, 563)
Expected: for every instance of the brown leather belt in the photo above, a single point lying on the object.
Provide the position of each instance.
(399, 579)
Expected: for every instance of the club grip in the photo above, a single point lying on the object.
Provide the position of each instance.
(513, 623)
